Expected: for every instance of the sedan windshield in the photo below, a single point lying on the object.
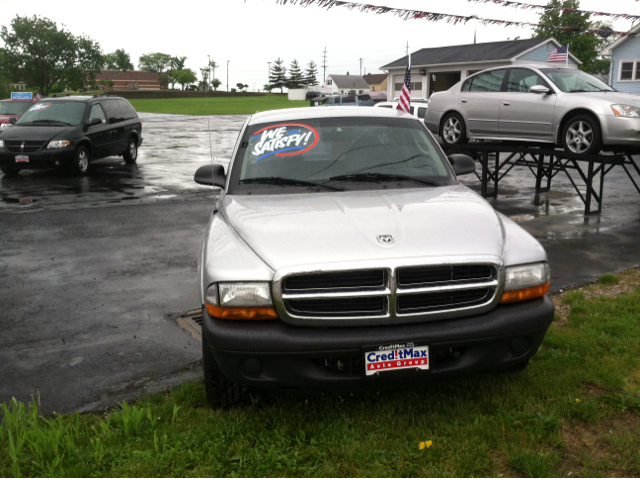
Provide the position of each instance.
(572, 80)
(14, 107)
(55, 112)
(339, 154)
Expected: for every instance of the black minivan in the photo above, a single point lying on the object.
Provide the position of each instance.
(71, 131)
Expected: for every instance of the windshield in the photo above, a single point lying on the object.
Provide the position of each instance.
(14, 107)
(338, 153)
(571, 80)
(67, 112)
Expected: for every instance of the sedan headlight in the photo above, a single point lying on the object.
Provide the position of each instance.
(240, 301)
(54, 145)
(4, 126)
(1, 144)
(526, 281)
(626, 111)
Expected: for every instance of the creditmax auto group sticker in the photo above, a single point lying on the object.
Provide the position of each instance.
(284, 139)
(40, 107)
(397, 356)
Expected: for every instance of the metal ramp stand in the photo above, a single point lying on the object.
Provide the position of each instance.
(545, 163)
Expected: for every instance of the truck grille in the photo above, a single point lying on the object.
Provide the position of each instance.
(393, 293)
(29, 146)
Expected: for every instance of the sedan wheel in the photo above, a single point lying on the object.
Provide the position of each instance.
(582, 136)
(453, 130)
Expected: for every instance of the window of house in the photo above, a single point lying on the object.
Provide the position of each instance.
(329, 82)
(416, 85)
(629, 70)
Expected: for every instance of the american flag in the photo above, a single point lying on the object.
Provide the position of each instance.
(38, 95)
(559, 54)
(405, 95)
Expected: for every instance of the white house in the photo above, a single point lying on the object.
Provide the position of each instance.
(438, 69)
(624, 54)
(344, 84)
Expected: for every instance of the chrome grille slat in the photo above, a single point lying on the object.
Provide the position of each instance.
(29, 146)
(441, 299)
(362, 279)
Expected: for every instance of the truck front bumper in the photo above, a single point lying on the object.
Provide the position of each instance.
(275, 355)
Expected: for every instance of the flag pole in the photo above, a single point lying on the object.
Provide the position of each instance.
(567, 59)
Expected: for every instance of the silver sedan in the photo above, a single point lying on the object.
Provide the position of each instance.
(563, 106)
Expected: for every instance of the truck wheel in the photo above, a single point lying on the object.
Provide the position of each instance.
(221, 392)
(8, 171)
(131, 153)
(582, 135)
(453, 131)
(80, 163)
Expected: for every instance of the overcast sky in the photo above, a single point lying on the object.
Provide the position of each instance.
(251, 33)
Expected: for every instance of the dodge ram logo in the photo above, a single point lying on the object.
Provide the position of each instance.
(385, 239)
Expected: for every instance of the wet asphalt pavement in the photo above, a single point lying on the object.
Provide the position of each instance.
(95, 271)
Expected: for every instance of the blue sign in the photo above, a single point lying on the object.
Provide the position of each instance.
(21, 95)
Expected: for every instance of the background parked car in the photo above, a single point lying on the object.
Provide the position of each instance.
(419, 110)
(71, 131)
(348, 100)
(13, 109)
(563, 106)
(313, 94)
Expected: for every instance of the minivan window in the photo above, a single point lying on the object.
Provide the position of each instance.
(490, 81)
(111, 108)
(70, 112)
(349, 99)
(97, 112)
(364, 98)
(127, 110)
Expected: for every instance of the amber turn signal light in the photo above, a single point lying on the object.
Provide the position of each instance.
(248, 313)
(523, 294)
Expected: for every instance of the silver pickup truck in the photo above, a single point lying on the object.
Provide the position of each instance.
(343, 254)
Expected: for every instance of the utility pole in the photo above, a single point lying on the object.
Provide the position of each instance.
(269, 72)
(228, 75)
(324, 65)
(360, 66)
(208, 73)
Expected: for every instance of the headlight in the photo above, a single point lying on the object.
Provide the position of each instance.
(626, 111)
(240, 301)
(1, 144)
(58, 144)
(526, 282)
(4, 126)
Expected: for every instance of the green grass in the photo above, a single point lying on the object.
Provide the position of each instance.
(575, 411)
(241, 105)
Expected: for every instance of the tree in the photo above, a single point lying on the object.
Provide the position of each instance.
(585, 47)
(5, 81)
(118, 60)
(267, 88)
(107, 84)
(310, 74)
(242, 86)
(296, 79)
(215, 83)
(39, 53)
(185, 77)
(278, 75)
(154, 62)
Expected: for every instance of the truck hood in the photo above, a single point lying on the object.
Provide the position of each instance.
(312, 229)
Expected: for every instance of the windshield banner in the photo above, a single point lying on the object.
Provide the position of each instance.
(284, 139)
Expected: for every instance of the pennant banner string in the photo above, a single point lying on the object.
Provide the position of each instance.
(525, 6)
(406, 14)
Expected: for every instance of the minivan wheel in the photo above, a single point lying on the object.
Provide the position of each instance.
(453, 130)
(131, 153)
(80, 164)
(221, 392)
(8, 171)
(581, 135)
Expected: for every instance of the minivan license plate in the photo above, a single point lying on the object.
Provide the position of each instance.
(396, 357)
(22, 159)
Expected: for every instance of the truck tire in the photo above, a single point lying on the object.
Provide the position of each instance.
(221, 392)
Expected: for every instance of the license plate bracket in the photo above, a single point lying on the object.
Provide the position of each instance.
(22, 159)
(396, 357)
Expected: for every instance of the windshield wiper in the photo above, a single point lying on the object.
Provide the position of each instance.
(381, 177)
(49, 122)
(279, 180)
(588, 91)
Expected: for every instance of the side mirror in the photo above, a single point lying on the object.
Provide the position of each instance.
(540, 89)
(210, 175)
(462, 164)
(12, 120)
(94, 122)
